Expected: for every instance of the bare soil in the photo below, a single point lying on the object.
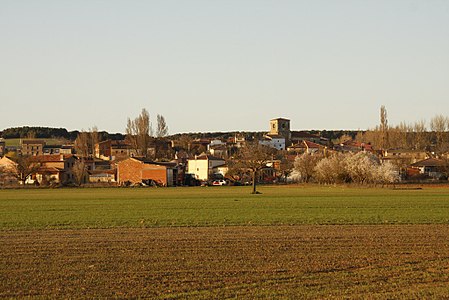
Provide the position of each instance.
(392, 261)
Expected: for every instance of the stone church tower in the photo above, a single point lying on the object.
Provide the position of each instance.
(281, 127)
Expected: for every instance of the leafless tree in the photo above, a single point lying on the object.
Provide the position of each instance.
(439, 126)
(138, 133)
(24, 167)
(285, 167)
(162, 127)
(79, 171)
(421, 137)
(255, 157)
(305, 165)
(82, 144)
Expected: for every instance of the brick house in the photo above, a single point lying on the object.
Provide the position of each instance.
(114, 149)
(135, 171)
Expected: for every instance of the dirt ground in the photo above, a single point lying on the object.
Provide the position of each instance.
(394, 261)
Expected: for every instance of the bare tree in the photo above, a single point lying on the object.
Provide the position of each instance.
(24, 167)
(421, 140)
(285, 168)
(79, 171)
(82, 144)
(162, 127)
(138, 133)
(255, 157)
(439, 126)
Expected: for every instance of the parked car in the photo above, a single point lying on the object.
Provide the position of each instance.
(219, 182)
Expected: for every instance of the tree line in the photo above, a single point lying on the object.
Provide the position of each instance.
(359, 168)
(419, 135)
(49, 133)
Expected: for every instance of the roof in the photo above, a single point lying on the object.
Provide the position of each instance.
(405, 151)
(33, 142)
(275, 136)
(430, 162)
(306, 144)
(208, 157)
(310, 144)
(52, 146)
(49, 170)
(303, 134)
(357, 144)
(280, 119)
(150, 162)
(51, 158)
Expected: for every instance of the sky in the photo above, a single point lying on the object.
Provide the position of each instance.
(229, 65)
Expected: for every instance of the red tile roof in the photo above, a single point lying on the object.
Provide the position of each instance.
(51, 158)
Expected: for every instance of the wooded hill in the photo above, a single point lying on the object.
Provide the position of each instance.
(62, 133)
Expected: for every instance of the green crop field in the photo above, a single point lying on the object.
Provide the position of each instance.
(219, 206)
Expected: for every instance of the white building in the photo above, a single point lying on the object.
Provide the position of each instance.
(204, 166)
(274, 141)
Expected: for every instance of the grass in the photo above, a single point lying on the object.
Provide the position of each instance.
(219, 206)
(16, 142)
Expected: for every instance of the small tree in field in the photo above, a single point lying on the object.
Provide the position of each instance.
(255, 157)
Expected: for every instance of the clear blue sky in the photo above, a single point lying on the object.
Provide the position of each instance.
(209, 65)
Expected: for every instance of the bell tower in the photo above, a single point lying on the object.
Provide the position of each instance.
(281, 127)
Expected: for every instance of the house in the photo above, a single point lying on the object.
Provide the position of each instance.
(299, 136)
(273, 141)
(51, 149)
(32, 147)
(354, 146)
(55, 168)
(306, 147)
(114, 149)
(67, 149)
(137, 171)
(218, 150)
(431, 167)
(237, 140)
(405, 154)
(102, 176)
(204, 166)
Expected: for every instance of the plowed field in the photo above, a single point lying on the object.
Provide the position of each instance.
(308, 261)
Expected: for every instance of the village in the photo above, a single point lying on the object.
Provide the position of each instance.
(202, 161)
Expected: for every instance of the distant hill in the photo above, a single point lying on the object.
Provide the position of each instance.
(51, 133)
(62, 133)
